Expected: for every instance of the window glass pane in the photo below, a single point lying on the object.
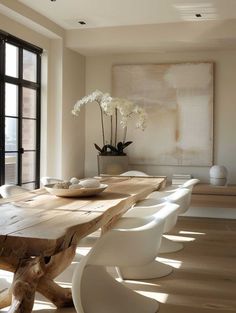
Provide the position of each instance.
(29, 103)
(11, 99)
(28, 167)
(11, 163)
(28, 134)
(29, 66)
(20, 103)
(11, 134)
(11, 64)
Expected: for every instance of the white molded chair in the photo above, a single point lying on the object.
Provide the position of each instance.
(134, 173)
(154, 269)
(182, 197)
(50, 180)
(7, 191)
(168, 194)
(189, 184)
(130, 243)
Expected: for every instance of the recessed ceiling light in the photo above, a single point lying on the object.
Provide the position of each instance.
(82, 22)
(198, 15)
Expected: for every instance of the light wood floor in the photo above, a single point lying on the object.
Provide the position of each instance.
(204, 275)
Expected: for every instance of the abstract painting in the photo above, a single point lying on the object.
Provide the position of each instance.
(179, 102)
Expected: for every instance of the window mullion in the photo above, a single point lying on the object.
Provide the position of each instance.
(38, 119)
(20, 63)
(2, 111)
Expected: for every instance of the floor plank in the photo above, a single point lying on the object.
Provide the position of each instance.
(204, 275)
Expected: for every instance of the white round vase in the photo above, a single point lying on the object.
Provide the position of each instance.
(218, 175)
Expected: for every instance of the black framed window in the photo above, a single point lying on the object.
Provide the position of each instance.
(20, 89)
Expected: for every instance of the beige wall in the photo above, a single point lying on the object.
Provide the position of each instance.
(73, 134)
(51, 137)
(98, 76)
(62, 140)
(19, 30)
(66, 138)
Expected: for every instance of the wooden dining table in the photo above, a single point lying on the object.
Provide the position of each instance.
(39, 233)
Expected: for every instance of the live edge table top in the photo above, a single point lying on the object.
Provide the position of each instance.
(40, 224)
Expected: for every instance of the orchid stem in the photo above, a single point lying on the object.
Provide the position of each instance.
(125, 133)
(111, 130)
(102, 122)
(115, 127)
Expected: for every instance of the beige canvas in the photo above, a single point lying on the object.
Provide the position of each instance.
(179, 102)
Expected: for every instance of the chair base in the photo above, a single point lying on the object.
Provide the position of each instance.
(152, 270)
(168, 246)
(101, 293)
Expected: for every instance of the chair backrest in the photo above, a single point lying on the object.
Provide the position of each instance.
(49, 180)
(182, 197)
(190, 183)
(164, 210)
(170, 214)
(7, 191)
(150, 202)
(132, 242)
(134, 173)
(145, 210)
(162, 193)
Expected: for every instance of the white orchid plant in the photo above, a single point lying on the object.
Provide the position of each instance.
(111, 107)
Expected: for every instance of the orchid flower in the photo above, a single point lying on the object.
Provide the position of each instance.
(110, 106)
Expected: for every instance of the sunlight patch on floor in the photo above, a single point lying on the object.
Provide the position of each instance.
(136, 282)
(190, 232)
(43, 305)
(8, 276)
(64, 284)
(171, 262)
(83, 250)
(179, 238)
(159, 296)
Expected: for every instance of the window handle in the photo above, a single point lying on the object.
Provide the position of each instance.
(21, 150)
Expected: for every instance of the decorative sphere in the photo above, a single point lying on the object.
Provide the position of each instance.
(218, 172)
(74, 180)
(90, 183)
(75, 186)
(218, 181)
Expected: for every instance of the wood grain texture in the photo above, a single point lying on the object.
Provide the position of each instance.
(24, 284)
(204, 277)
(39, 233)
(205, 195)
(43, 224)
(213, 201)
(228, 190)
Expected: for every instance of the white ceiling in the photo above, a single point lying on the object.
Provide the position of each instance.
(127, 26)
(110, 13)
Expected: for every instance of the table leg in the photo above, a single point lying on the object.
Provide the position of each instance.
(24, 285)
(59, 296)
(36, 274)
